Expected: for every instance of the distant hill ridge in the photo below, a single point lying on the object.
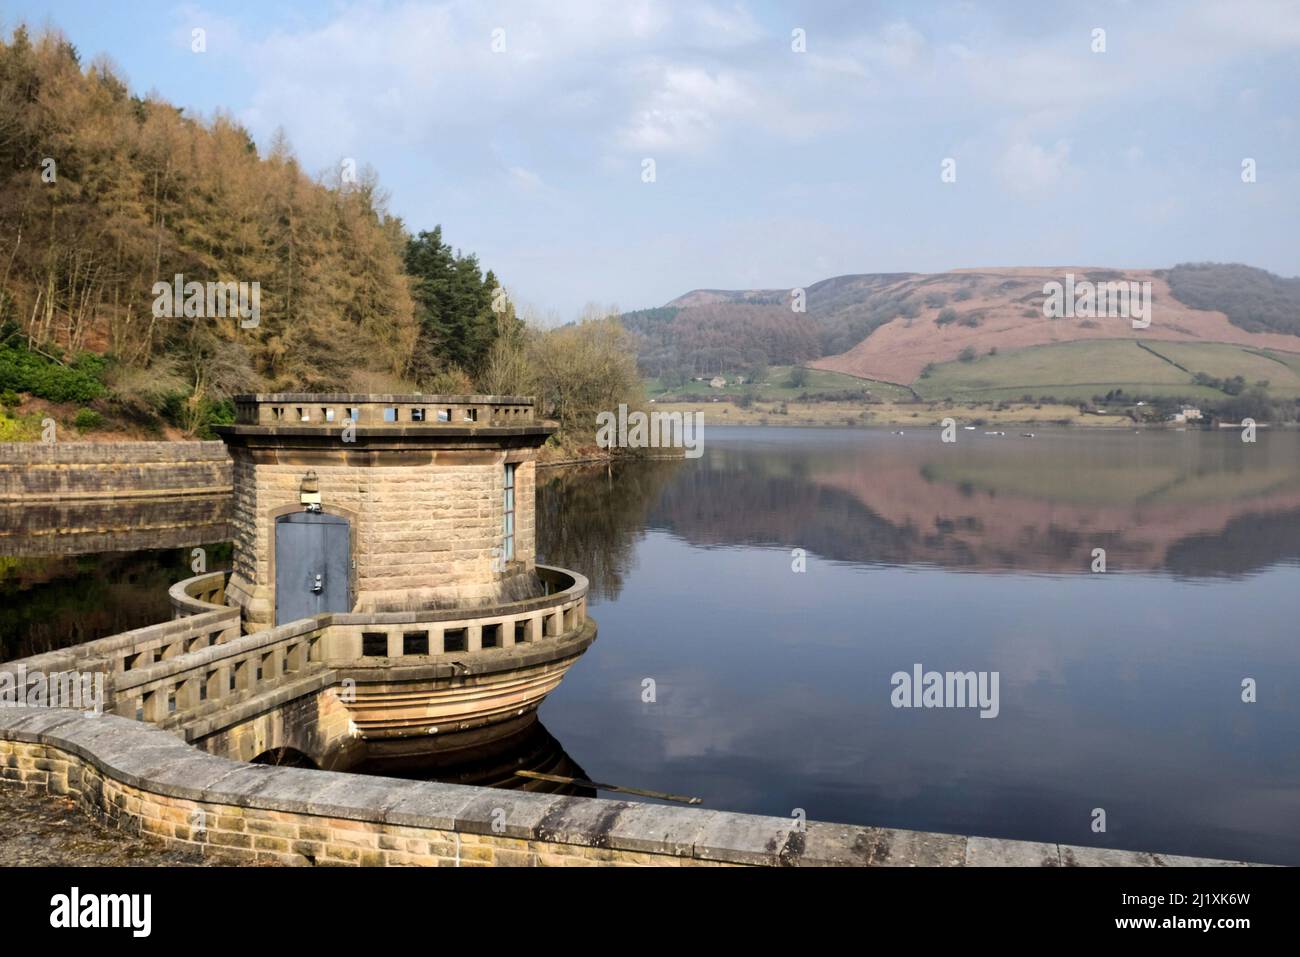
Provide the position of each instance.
(894, 326)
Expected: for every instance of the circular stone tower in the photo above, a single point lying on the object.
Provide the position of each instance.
(381, 503)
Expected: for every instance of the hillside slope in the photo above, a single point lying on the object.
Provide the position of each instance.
(894, 326)
(1002, 309)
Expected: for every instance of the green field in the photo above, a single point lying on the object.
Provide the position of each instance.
(775, 386)
(1280, 369)
(1081, 370)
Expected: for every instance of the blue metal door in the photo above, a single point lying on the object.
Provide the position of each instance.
(311, 565)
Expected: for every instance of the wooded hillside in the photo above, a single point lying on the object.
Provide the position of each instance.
(104, 193)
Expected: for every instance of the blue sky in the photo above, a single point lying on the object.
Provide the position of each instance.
(773, 168)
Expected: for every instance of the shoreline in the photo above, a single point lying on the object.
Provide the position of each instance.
(928, 415)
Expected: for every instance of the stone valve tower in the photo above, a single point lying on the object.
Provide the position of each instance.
(403, 527)
(374, 503)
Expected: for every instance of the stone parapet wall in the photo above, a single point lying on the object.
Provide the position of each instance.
(419, 411)
(36, 471)
(147, 781)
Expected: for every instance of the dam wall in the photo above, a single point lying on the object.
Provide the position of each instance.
(66, 471)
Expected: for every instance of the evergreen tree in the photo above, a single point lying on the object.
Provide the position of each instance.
(453, 306)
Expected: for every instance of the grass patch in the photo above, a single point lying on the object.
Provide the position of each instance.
(1081, 370)
(775, 386)
(19, 428)
(1280, 369)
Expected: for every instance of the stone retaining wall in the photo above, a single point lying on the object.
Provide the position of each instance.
(147, 781)
(30, 528)
(36, 471)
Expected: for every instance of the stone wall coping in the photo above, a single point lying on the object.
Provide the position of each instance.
(162, 453)
(157, 762)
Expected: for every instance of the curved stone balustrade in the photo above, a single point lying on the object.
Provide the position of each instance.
(412, 673)
(355, 638)
(507, 658)
(202, 593)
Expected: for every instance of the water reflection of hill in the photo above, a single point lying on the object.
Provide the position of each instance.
(1195, 504)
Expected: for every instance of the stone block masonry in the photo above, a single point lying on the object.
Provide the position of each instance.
(424, 533)
(420, 482)
(147, 781)
(70, 471)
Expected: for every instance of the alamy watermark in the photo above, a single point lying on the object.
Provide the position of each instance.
(129, 911)
(80, 690)
(946, 689)
(656, 430)
(210, 300)
(1098, 300)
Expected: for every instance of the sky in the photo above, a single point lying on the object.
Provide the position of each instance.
(525, 129)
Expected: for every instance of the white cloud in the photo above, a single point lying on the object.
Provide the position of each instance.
(686, 109)
(586, 89)
(899, 45)
(525, 179)
(1031, 170)
(723, 27)
(1247, 25)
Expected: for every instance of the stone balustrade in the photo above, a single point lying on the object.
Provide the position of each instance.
(121, 653)
(198, 595)
(173, 689)
(171, 673)
(360, 638)
(289, 409)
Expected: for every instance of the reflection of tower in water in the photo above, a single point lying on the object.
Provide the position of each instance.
(492, 762)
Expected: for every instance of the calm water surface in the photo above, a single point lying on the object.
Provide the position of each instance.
(1119, 691)
(772, 688)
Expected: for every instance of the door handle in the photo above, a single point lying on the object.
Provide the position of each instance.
(317, 585)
